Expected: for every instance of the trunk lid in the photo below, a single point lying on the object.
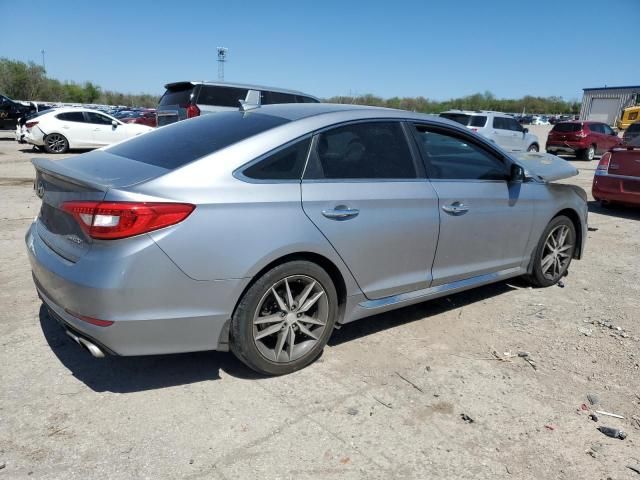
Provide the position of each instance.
(544, 166)
(625, 162)
(86, 177)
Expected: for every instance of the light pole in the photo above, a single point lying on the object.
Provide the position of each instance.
(222, 57)
(43, 64)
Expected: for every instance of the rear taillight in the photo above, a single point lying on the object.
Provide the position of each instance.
(603, 166)
(193, 111)
(474, 129)
(113, 220)
(581, 134)
(30, 124)
(93, 321)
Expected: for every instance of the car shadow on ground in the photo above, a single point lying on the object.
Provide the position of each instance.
(620, 211)
(420, 311)
(135, 374)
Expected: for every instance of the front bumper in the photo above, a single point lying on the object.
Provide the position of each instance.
(154, 306)
(618, 189)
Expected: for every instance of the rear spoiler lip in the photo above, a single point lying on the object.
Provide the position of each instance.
(57, 169)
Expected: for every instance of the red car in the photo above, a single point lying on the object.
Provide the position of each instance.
(617, 178)
(147, 118)
(582, 139)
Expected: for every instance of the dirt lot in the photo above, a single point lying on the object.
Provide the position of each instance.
(385, 401)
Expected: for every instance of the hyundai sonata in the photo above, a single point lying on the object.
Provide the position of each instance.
(260, 231)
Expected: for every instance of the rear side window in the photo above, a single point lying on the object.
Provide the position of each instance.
(269, 98)
(376, 150)
(285, 164)
(71, 117)
(478, 121)
(221, 96)
(183, 142)
(452, 157)
(303, 99)
(461, 118)
(177, 95)
(567, 127)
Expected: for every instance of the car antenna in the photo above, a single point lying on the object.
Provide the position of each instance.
(251, 102)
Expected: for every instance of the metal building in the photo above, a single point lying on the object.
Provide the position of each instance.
(606, 104)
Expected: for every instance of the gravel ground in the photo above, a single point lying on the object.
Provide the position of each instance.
(386, 400)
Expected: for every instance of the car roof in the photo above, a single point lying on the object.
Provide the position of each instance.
(238, 85)
(479, 112)
(74, 109)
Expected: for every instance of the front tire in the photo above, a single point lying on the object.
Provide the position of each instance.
(533, 148)
(56, 143)
(554, 252)
(285, 318)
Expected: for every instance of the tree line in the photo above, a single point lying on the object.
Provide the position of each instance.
(28, 81)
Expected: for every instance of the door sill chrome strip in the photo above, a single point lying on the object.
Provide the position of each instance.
(438, 290)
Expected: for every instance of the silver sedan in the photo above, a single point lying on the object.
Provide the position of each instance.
(260, 231)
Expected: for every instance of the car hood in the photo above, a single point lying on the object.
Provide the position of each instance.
(544, 166)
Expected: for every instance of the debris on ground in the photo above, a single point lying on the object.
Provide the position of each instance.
(523, 354)
(636, 419)
(593, 229)
(550, 426)
(613, 432)
(2, 465)
(593, 398)
(410, 383)
(593, 416)
(585, 331)
(608, 414)
(352, 411)
(388, 405)
(466, 418)
(635, 468)
(560, 284)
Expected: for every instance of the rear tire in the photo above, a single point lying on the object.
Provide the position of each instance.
(533, 148)
(285, 319)
(554, 252)
(588, 154)
(56, 143)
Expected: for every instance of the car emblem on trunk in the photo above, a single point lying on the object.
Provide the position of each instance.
(40, 189)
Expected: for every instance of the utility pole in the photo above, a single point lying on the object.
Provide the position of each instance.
(43, 65)
(222, 57)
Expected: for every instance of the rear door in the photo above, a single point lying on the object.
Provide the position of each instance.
(598, 137)
(364, 190)
(485, 221)
(612, 137)
(502, 134)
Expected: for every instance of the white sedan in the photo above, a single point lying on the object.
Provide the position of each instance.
(65, 128)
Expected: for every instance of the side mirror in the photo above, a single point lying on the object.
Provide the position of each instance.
(114, 124)
(525, 130)
(517, 173)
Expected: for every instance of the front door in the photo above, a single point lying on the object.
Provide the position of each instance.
(485, 220)
(366, 192)
(103, 131)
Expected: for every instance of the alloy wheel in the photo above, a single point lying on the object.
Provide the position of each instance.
(291, 318)
(56, 143)
(557, 253)
(591, 153)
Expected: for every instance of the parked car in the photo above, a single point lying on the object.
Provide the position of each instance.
(585, 140)
(11, 111)
(146, 117)
(498, 127)
(67, 128)
(539, 120)
(183, 100)
(632, 132)
(617, 177)
(260, 232)
(629, 115)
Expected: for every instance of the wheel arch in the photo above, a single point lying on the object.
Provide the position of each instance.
(577, 224)
(325, 263)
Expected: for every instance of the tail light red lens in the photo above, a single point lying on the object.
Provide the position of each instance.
(114, 220)
(193, 111)
(30, 124)
(93, 321)
(581, 134)
(603, 166)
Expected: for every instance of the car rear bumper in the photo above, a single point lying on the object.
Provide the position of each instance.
(565, 147)
(155, 308)
(617, 189)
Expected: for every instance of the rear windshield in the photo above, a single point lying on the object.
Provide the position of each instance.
(183, 142)
(567, 127)
(466, 120)
(177, 95)
(634, 127)
(221, 96)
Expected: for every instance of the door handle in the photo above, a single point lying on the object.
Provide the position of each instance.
(456, 208)
(341, 212)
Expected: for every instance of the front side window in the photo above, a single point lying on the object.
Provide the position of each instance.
(376, 150)
(71, 117)
(596, 128)
(97, 119)
(608, 130)
(478, 121)
(513, 125)
(452, 157)
(285, 164)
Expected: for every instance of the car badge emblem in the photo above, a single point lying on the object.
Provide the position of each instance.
(40, 190)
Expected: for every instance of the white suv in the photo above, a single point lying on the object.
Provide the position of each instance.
(498, 127)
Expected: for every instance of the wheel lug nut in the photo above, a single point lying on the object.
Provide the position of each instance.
(299, 315)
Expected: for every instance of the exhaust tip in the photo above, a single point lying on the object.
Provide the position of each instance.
(92, 348)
